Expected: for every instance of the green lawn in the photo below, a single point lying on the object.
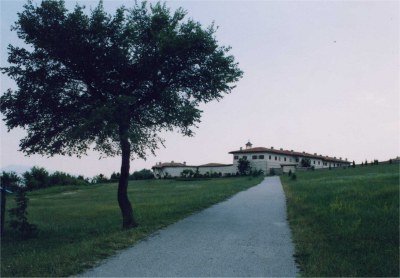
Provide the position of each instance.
(345, 222)
(79, 225)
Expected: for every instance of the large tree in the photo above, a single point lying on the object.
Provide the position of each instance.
(111, 82)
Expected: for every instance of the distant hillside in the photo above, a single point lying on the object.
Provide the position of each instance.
(19, 169)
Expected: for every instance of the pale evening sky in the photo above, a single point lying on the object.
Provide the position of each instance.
(319, 76)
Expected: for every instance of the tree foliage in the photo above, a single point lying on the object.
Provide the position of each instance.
(87, 78)
(111, 82)
(243, 166)
(144, 174)
(36, 178)
(305, 162)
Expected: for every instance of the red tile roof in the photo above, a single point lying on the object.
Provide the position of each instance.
(214, 165)
(177, 164)
(170, 164)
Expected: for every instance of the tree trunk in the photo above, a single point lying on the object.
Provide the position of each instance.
(128, 220)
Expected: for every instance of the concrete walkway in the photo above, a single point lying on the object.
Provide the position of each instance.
(247, 235)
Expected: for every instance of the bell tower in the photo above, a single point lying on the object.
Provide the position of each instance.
(248, 145)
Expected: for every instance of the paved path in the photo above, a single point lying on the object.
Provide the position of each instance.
(247, 235)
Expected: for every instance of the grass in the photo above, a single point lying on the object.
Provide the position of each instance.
(80, 225)
(345, 222)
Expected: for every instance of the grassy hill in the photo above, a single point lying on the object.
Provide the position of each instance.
(345, 222)
(78, 225)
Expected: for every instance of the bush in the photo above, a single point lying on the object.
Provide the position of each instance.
(294, 177)
(290, 173)
(257, 173)
(305, 162)
(144, 174)
(187, 173)
(100, 178)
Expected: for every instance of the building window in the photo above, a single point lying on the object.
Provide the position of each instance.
(319, 162)
(313, 162)
(254, 157)
(269, 157)
(261, 156)
(236, 157)
(244, 157)
(297, 159)
(276, 158)
(284, 159)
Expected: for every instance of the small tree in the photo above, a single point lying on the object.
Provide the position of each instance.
(354, 164)
(305, 162)
(243, 166)
(19, 216)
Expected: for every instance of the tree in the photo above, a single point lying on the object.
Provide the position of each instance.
(305, 162)
(144, 174)
(243, 166)
(113, 82)
(36, 178)
(354, 164)
(19, 216)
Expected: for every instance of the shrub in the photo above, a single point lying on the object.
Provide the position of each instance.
(290, 173)
(100, 178)
(187, 173)
(257, 173)
(294, 177)
(115, 177)
(144, 174)
(305, 162)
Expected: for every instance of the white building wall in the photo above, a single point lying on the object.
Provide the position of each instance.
(217, 169)
(176, 171)
(272, 160)
(171, 171)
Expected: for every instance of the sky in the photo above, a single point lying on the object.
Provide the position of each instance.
(319, 76)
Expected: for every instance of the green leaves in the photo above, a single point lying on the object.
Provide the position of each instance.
(86, 74)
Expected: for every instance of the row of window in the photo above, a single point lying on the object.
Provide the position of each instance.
(236, 157)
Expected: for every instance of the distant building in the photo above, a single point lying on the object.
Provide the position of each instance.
(174, 169)
(265, 159)
(260, 158)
